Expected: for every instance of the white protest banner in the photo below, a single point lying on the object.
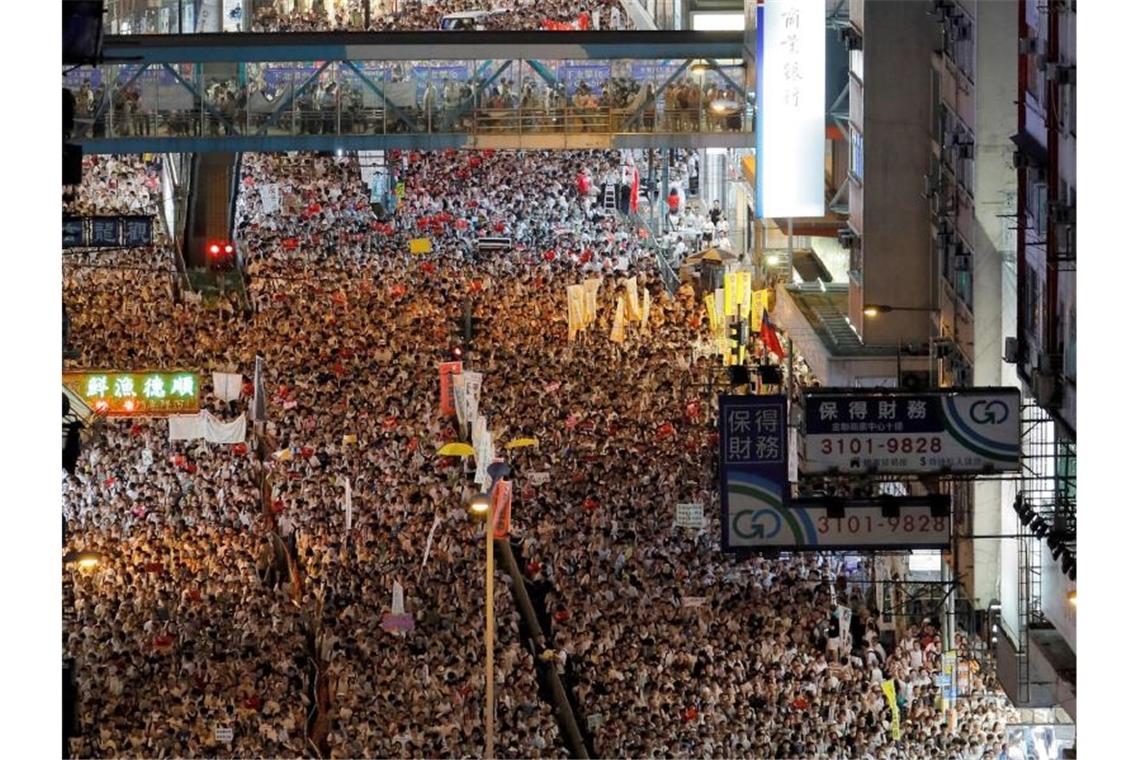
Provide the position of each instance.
(227, 385)
(844, 621)
(397, 598)
(270, 198)
(347, 505)
(224, 734)
(431, 537)
(693, 601)
(472, 388)
(539, 478)
(689, 516)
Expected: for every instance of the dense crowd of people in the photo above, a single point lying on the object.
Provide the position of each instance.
(667, 647)
(422, 15)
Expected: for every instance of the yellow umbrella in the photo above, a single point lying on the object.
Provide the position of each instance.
(457, 450)
(518, 443)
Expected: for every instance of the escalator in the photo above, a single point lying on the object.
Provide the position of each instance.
(214, 183)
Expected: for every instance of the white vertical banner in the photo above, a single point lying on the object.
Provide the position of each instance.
(472, 389)
(231, 15)
(844, 622)
(397, 598)
(270, 198)
(347, 504)
(431, 537)
(790, 109)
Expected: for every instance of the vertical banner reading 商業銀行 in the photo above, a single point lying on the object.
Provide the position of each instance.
(753, 468)
(790, 108)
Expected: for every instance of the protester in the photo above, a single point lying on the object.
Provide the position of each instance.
(668, 647)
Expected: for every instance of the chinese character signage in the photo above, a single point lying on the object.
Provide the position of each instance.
(790, 108)
(108, 231)
(949, 431)
(136, 394)
(753, 465)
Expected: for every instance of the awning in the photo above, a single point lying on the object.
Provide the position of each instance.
(1028, 146)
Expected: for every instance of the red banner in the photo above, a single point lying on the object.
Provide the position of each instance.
(501, 508)
(446, 400)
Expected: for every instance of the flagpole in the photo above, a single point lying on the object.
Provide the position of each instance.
(489, 639)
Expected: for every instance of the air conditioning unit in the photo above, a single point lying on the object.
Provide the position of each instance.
(941, 9)
(847, 237)
(960, 28)
(914, 381)
(851, 38)
(1061, 213)
(1044, 387)
(930, 184)
(1061, 73)
(1028, 45)
(1010, 355)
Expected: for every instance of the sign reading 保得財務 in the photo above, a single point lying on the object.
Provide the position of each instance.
(136, 394)
(941, 431)
(753, 462)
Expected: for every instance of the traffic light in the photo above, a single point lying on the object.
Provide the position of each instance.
(736, 332)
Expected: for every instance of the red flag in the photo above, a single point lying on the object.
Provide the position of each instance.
(768, 337)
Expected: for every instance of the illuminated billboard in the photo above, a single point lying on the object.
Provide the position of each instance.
(790, 108)
(136, 394)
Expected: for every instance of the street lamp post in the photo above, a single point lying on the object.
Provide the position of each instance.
(482, 504)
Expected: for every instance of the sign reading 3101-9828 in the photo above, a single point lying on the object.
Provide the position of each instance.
(939, 431)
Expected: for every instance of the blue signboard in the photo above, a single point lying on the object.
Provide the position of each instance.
(949, 430)
(753, 469)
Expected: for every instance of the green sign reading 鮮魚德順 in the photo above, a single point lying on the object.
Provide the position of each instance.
(136, 394)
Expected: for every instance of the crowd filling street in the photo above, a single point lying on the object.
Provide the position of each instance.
(234, 594)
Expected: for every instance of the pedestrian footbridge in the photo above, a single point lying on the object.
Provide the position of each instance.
(415, 90)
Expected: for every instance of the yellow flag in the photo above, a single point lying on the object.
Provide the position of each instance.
(759, 300)
(419, 245)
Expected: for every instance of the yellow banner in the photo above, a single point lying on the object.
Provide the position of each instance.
(714, 318)
(419, 245)
(737, 293)
(575, 309)
(892, 702)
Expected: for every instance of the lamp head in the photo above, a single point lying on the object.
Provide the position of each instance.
(480, 504)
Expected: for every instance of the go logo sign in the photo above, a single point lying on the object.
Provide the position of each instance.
(757, 523)
(989, 412)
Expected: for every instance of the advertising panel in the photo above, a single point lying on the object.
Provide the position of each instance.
(942, 431)
(753, 465)
(136, 394)
(790, 107)
(807, 527)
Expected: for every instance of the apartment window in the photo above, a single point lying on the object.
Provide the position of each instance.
(960, 44)
(1033, 294)
(958, 270)
(856, 154)
(1039, 206)
(1071, 347)
(964, 171)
